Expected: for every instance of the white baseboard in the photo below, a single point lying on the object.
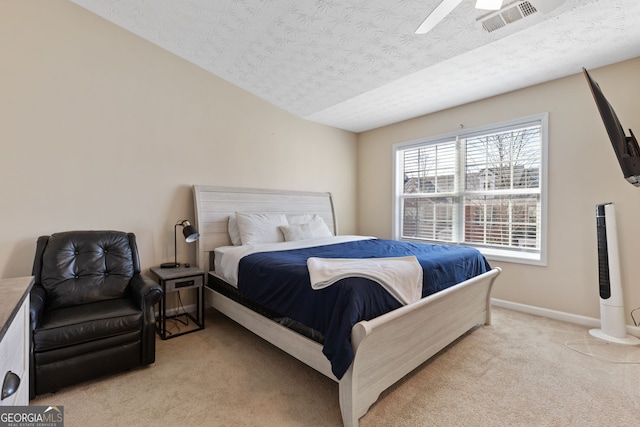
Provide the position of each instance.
(558, 315)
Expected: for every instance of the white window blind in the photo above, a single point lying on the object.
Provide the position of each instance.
(479, 187)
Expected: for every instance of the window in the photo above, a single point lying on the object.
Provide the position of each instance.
(480, 187)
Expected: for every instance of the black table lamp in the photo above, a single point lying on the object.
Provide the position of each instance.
(190, 235)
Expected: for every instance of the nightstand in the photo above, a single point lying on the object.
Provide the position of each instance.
(179, 281)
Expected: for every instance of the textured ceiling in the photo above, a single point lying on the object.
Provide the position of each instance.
(357, 64)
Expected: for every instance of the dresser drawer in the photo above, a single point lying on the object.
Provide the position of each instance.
(183, 283)
(14, 350)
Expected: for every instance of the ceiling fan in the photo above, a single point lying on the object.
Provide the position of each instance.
(447, 6)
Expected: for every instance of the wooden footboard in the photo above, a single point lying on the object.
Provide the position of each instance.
(390, 346)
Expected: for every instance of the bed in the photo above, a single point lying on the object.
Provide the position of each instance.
(384, 348)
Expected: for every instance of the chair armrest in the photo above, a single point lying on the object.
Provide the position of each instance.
(145, 291)
(37, 298)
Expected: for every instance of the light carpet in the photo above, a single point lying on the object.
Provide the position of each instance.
(522, 370)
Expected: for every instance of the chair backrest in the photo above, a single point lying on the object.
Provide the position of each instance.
(79, 267)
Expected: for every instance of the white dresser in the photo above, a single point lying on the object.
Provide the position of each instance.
(14, 340)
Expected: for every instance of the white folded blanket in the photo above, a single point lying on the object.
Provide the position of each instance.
(400, 276)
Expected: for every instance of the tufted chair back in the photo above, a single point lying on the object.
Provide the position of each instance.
(86, 266)
(80, 267)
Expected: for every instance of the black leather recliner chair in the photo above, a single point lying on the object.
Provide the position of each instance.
(92, 312)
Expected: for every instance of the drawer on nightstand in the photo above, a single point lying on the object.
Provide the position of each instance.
(183, 283)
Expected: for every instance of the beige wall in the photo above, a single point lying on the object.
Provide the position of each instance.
(583, 171)
(102, 130)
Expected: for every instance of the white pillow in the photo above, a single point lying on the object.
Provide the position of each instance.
(301, 218)
(305, 219)
(296, 232)
(234, 234)
(319, 227)
(313, 229)
(260, 228)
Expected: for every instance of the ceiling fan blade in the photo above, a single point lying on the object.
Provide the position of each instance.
(489, 4)
(438, 14)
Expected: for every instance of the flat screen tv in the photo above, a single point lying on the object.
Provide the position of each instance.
(625, 147)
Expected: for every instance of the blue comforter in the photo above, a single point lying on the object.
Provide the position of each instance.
(280, 281)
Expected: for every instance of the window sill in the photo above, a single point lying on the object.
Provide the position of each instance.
(493, 254)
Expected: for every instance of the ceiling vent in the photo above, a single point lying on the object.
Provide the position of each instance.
(516, 10)
(509, 14)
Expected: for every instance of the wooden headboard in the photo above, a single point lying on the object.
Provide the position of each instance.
(214, 205)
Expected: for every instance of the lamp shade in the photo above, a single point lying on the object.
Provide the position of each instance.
(190, 232)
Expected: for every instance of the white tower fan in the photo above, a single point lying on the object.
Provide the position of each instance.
(612, 323)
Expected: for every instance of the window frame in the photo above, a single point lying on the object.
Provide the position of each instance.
(491, 253)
